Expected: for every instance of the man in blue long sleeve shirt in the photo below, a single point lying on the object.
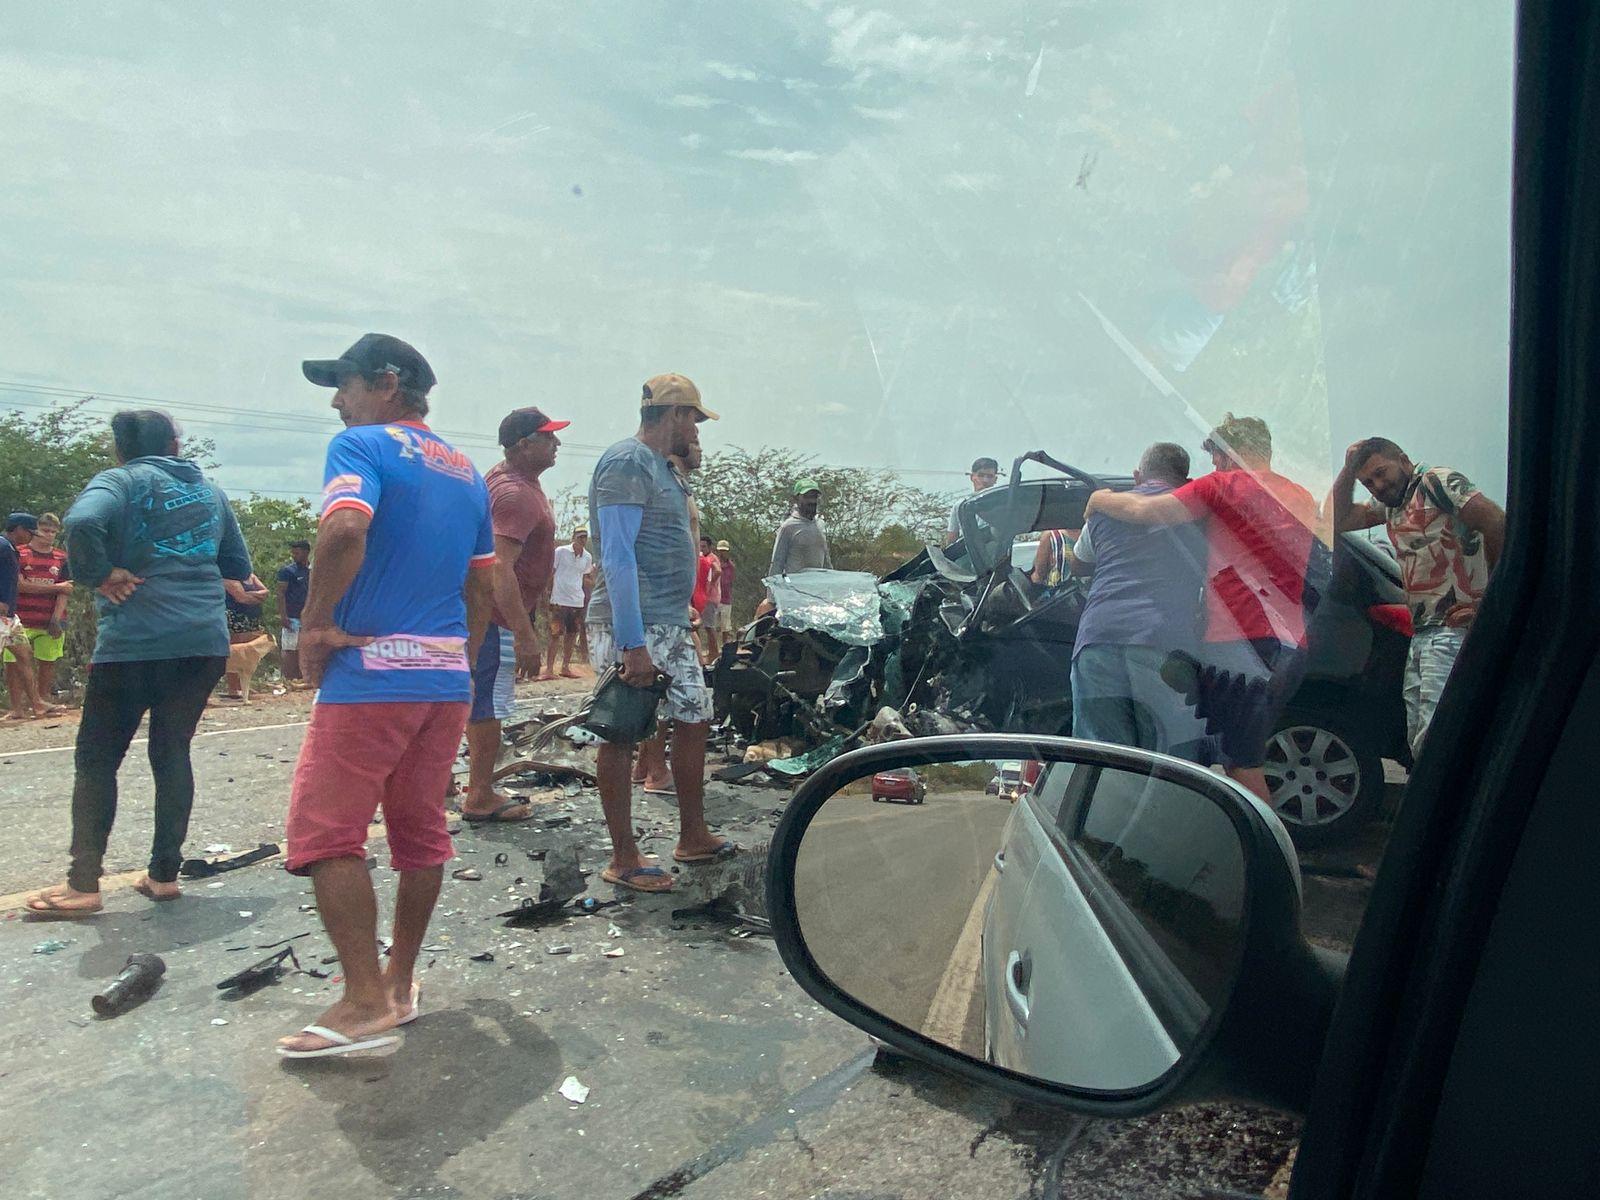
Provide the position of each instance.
(155, 539)
(639, 616)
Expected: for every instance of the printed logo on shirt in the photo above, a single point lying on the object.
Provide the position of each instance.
(405, 652)
(436, 456)
(342, 485)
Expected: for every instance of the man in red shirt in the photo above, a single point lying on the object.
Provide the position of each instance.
(43, 587)
(707, 595)
(524, 548)
(1259, 531)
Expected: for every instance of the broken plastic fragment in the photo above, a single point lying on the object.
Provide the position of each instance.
(615, 952)
(563, 949)
(50, 946)
(573, 1090)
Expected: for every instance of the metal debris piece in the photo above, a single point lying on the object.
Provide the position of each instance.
(483, 956)
(467, 874)
(561, 949)
(51, 946)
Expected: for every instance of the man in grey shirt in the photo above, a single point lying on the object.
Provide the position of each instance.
(802, 544)
(639, 616)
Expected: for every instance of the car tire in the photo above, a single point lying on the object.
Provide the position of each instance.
(1325, 775)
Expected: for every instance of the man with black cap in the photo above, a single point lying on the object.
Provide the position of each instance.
(400, 594)
(639, 616)
(984, 475)
(294, 578)
(524, 546)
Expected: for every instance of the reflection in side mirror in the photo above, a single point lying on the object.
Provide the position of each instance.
(1075, 922)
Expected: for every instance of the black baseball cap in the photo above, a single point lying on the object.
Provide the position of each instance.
(302, 544)
(524, 422)
(27, 520)
(374, 353)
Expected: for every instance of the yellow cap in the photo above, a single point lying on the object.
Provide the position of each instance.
(674, 391)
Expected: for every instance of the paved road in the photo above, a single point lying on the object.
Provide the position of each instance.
(713, 1076)
(886, 893)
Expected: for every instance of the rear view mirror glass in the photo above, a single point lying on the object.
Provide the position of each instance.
(1077, 923)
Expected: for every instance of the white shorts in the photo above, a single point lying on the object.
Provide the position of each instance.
(673, 651)
(289, 637)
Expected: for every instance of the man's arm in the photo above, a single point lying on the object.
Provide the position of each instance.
(283, 604)
(619, 529)
(1340, 509)
(341, 548)
(780, 550)
(479, 591)
(43, 587)
(506, 595)
(1140, 510)
(1486, 517)
(827, 554)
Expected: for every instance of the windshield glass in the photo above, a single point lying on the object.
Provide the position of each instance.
(891, 247)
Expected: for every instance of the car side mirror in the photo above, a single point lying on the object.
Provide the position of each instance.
(1107, 930)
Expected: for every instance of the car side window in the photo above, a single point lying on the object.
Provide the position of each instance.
(1049, 795)
(1173, 859)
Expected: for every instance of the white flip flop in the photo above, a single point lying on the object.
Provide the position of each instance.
(342, 1045)
(416, 1000)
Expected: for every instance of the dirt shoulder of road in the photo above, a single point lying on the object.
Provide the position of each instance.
(265, 708)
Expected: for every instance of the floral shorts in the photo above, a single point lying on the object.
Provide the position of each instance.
(673, 651)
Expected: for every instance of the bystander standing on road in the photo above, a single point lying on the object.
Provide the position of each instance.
(573, 568)
(802, 541)
(294, 577)
(524, 544)
(639, 617)
(155, 539)
(401, 591)
(248, 640)
(707, 595)
(984, 475)
(1259, 529)
(43, 588)
(1447, 537)
(725, 590)
(1141, 606)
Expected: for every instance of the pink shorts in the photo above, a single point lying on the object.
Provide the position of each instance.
(359, 757)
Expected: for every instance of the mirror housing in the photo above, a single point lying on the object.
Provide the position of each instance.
(1261, 1045)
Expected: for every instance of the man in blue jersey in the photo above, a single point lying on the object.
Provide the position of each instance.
(385, 633)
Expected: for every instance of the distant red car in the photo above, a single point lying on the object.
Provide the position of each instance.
(904, 785)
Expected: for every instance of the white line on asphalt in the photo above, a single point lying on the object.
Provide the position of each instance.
(946, 1022)
(142, 741)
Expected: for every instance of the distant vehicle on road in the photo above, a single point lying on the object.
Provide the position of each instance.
(904, 785)
(1007, 781)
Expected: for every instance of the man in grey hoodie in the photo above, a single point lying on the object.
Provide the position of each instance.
(155, 539)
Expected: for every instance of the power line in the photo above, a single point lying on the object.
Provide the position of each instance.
(322, 429)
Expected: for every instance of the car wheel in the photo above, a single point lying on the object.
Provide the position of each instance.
(1324, 775)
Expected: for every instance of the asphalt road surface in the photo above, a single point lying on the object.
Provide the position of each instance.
(712, 1076)
(886, 895)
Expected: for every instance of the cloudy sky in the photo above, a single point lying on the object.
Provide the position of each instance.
(898, 235)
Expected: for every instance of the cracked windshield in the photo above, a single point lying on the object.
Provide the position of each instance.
(466, 468)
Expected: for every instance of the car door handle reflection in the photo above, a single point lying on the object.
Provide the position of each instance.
(1000, 861)
(1019, 978)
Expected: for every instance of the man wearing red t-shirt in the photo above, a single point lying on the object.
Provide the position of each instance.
(524, 547)
(1259, 530)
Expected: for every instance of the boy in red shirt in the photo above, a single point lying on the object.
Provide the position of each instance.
(1259, 530)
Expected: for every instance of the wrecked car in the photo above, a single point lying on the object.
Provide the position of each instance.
(960, 638)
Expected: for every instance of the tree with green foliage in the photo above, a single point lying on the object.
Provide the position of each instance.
(874, 519)
(269, 525)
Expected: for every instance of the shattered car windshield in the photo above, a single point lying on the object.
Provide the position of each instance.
(738, 393)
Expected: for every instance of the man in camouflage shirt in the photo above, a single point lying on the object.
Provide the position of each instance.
(1447, 537)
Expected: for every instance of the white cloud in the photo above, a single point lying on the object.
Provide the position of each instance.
(867, 42)
(972, 181)
(774, 155)
(766, 120)
(693, 101)
(733, 73)
(881, 114)
(693, 141)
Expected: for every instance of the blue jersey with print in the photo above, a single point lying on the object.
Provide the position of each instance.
(430, 526)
